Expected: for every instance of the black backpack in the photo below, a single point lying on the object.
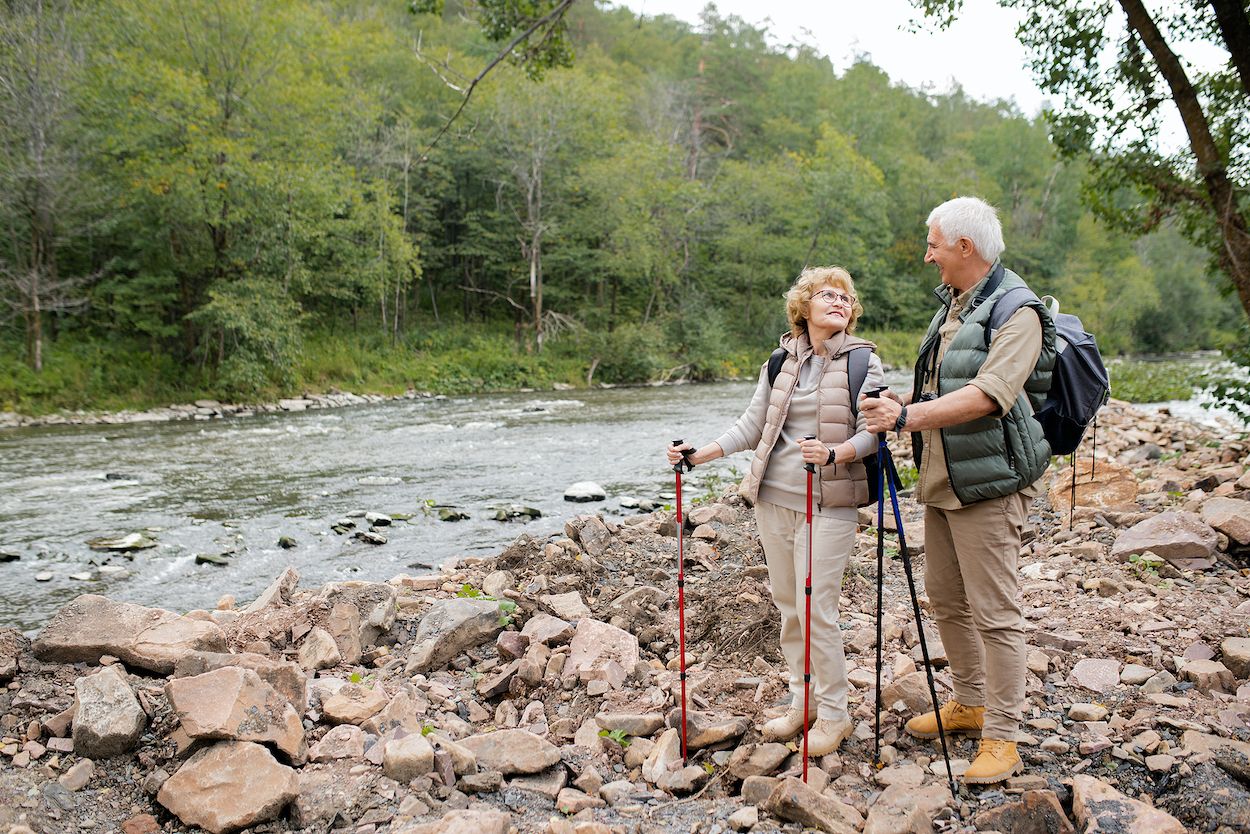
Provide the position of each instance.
(1079, 385)
(857, 370)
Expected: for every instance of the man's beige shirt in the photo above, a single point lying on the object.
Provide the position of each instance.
(1011, 358)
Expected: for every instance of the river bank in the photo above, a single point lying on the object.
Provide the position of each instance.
(537, 689)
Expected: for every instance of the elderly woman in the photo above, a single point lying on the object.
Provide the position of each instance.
(809, 396)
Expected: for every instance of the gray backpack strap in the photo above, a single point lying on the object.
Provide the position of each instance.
(1005, 307)
(857, 371)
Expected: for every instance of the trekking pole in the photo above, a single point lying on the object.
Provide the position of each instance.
(882, 450)
(890, 478)
(807, 616)
(681, 590)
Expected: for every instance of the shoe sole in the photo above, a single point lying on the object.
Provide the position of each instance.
(969, 732)
(1017, 768)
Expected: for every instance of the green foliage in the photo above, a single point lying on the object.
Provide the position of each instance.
(1152, 382)
(1230, 387)
(619, 736)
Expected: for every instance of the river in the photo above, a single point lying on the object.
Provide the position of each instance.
(237, 485)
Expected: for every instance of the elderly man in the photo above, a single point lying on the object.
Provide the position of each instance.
(979, 454)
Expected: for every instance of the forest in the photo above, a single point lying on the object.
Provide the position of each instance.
(244, 198)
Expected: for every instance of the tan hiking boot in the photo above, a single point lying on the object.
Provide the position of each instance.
(956, 718)
(827, 735)
(787, 726)
(996, 760)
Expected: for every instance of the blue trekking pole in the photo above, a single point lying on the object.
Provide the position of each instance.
(889, 475)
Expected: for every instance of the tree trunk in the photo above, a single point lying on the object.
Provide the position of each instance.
(1212, 165)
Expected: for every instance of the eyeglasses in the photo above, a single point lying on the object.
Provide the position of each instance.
(832, 297)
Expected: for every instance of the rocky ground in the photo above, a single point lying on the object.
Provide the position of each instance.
(537, 691)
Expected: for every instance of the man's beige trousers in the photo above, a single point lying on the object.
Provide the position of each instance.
(971, 556)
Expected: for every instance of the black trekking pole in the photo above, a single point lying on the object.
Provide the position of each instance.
(681, 590)
(890, 475)
(807, 616)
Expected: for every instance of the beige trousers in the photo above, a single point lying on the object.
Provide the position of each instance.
(971, 557)
(784, 535)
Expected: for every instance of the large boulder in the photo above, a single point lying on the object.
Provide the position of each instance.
(234, 703)
(512, 751)
(1183, 539)
(600, 651)
(92, 626)
(796, 801)
(107, 717)
(231, 785)
(450, 627)
(1101, 809)
(287, 679)
(906, 808)
(1231, 516)
(12, 644)
(375, 603)
(1109, 486)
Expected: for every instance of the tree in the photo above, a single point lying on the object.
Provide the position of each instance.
(536, 130)
(39, 163)
(1114, 83)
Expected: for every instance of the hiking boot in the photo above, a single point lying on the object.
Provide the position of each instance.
(827, 735)
(996, 760)
(956, 718)
(787, 726)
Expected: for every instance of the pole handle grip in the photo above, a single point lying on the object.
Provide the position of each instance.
(810, 467)
(874, 394)
(685, 458)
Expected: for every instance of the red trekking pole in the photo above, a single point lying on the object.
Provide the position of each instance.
(681, 590)
(807, 617)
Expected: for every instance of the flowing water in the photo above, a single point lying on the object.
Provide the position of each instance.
(237, 485)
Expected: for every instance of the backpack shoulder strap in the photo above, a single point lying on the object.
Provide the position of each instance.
(775, 362)
(857, 370)
(1005, 307)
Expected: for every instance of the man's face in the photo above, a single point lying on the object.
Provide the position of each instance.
(945, 255)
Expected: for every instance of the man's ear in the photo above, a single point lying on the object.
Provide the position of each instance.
(966, 249)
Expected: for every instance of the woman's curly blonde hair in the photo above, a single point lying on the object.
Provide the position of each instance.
(812, 280)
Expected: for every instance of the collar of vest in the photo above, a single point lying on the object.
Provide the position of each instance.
(840, 344)
(986, 287)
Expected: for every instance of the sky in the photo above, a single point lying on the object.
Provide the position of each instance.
(981, 54)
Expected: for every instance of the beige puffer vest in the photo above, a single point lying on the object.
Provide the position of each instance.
(845, 485)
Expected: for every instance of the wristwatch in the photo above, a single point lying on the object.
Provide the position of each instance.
(833, 453)
(901, 421)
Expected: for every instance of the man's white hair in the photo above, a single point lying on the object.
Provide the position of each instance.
(973, 218)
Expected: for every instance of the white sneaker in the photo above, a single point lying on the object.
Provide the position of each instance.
(787, 726)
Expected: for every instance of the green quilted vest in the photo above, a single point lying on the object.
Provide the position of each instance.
(991, 456)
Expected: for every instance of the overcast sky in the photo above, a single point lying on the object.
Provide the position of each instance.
(979, 51)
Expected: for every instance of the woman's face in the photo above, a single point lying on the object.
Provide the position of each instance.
(830, 309)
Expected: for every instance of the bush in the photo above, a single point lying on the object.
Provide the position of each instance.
(1139, 381)
(631, 353)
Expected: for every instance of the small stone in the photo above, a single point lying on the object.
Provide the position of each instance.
(1135, 675)
(1160, 763)
(1087, 712)
(77, 777)
(744, 819)
(1096, 674)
